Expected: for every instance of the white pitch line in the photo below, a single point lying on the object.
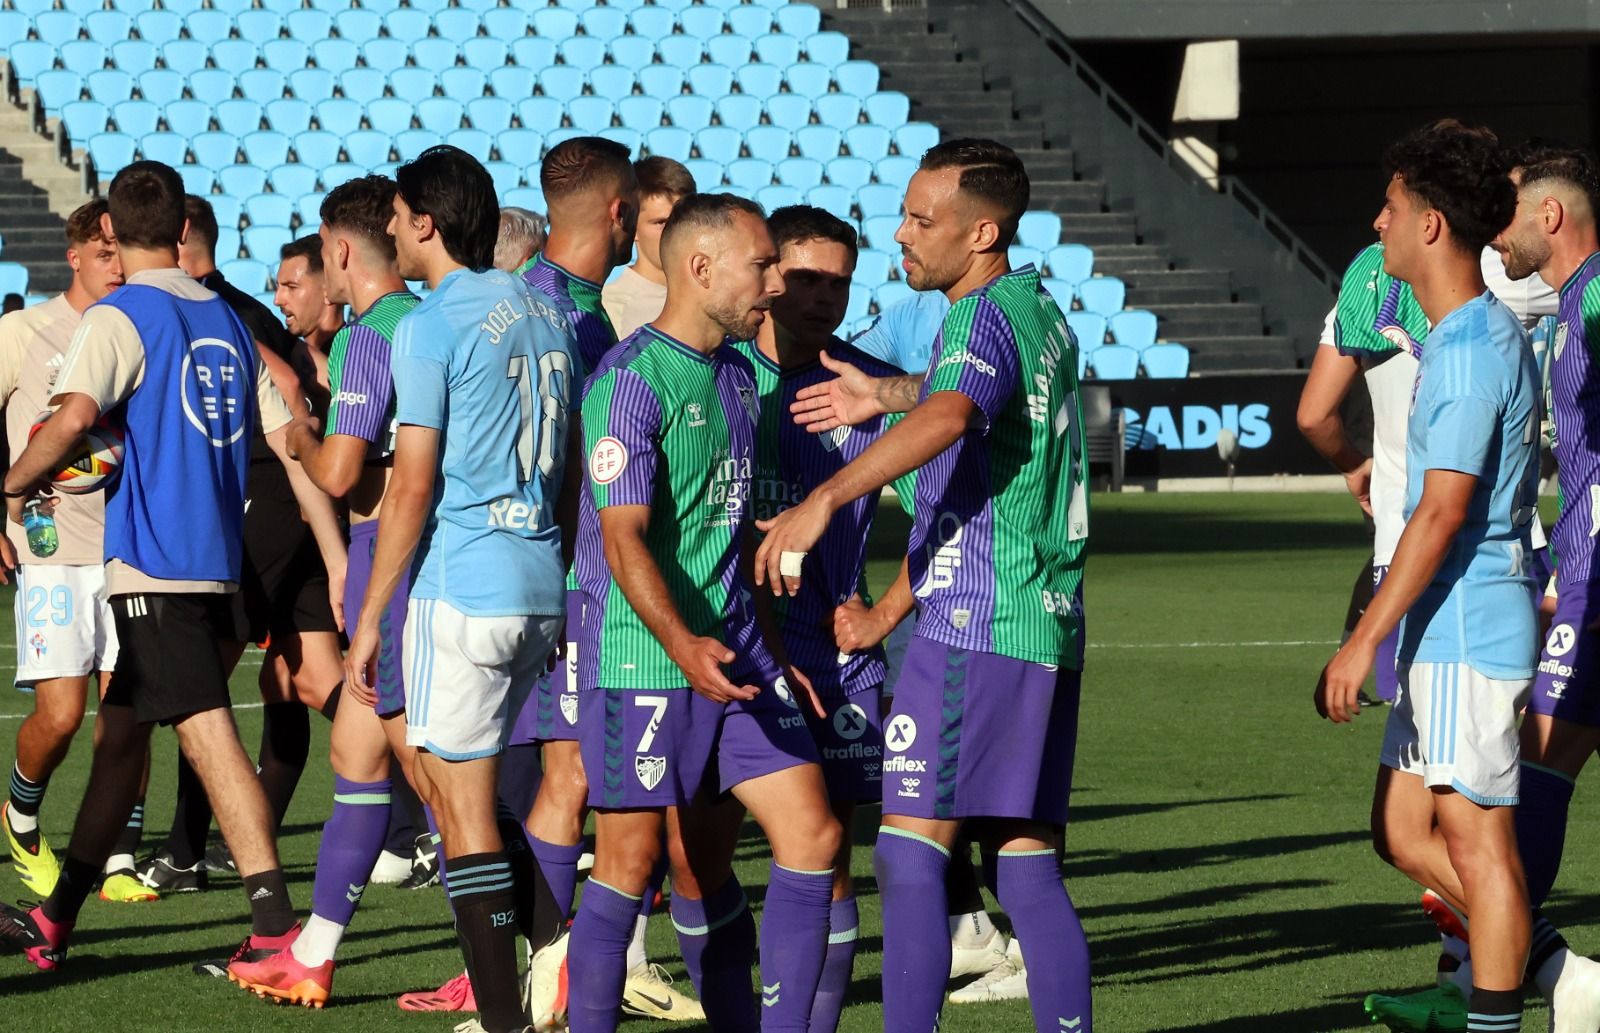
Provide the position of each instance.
(1262, 644)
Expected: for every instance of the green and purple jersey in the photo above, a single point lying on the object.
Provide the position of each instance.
(360, 374)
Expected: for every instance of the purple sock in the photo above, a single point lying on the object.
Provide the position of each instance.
(916, 933)
(597, 958)
(1542, 827)
(351, 842)
(837, 967)
(794, 940)
(718, 939)
(1057, 954)
(559, 863)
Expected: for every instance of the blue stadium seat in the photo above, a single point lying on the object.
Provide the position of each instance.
(184, 56)
(57, 27)
(463, 83)
(1089, 328)
(557, 137)
(1040, 230)
(583, 52)
(368, 147)
(690, 111)
(808, 79)
(239, 116)
(13, 278)
(363, 84)
(739, 111)
(800, 173)
(209, 26)
(339, 115)
(309, 208)
(318, 148)
(769, 143)
(512, 82)
(135, 117)
(761, 81)
(670, 142)
(749, 22)
(183, 6)
(819, 142)
(269, 210)
(707, 174)
(30, 57)
(411, 142)
(491, 114)
(284, 55)
(834, 200)
(408, 23)
(876, 199)
(613, 82)
(436, 55)
(109, 85)
(456, 24)
(385, 55)
(475, 142)
(591, 114)
(134, 56)
(860, 305)
(530, 197)
(555, 23)
(1115, 362)
(1021, 255)
(109, 152)
(890, 109)
(340, 173)
(873, 264)
(632, 139)
(652, 23)
(14, 27)
(506, 23)
(778, 48)
(312, 84)
(603, 22)
(827, 48)
(520, 146)
(293, 180)
(247, 274)
(481, 6)
(83, 119)
(196, 180)
(1165, 361)
(897, 170)
(168, 148)
(281, 6)
(392, 115)
(308, 25)
(541, 113)
(868, 141)
(702, 23)
(106, 26)
(1060, 290)
(412, 85)
(852, 173)
(381, 6)
(440, 114)
(83, 55)
(789, 111)
(263, 85)
(890, 293)
(1071, 262)
(188, 117)
(718, 143)
(641, 112)
(1135, 328)
(158, 25)
(680, 51)
(215, 150)
(33, 8)
(739, 191)
(264, 242)
(335, 54)
(81, 8)
(288, 115)
(663, 81)
(232, 7)
(528, 51)
(213, 84)
(358, 24)
(632, 52)
(710, 80)
(1102, 294)
(259, 26)
(561, 82)
(840, 110)
(914, 139)
(775, 195)
(57, 87)
(880, 231)
(799, 19)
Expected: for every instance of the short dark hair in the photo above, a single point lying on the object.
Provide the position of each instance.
(1543, 161)
(706, 211)
(308, 247)
(991, 172)
(660, 176)
(797, 223)
(202, 220)
(1460, 171)
(363, 206)
(146, 205)
(13, 302)
(83, 225)
(451, 185)
(579, 163)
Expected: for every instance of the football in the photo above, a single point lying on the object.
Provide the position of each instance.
(92, 462)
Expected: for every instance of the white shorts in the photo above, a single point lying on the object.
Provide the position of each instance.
(64, 624)
(1457, 729)
(467, 677)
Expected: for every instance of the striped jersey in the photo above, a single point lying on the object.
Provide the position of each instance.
(668, 427)
(361, 377)
(579, 299)
(1575, 411)
(790, 462)
(1000, 519)
(1376, 313)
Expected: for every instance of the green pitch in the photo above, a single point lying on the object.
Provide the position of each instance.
(1218, 853)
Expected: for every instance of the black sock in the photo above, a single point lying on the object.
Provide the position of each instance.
(330, 706)
(1547, 942)
(285, 745)
(483, 896)
(78, 880)
(271, 913)
(539, 918)
(132, 832)
(26, 794)
(962, 895)
(191, 817)
(1494, 1011)
(405, 821)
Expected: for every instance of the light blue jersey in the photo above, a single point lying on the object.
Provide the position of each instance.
(488, 362)
(903, 335)
(1476, 411)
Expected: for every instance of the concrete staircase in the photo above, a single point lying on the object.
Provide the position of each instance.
(1196, 307)
(37, 191)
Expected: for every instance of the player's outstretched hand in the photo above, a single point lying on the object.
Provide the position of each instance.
(856, 626)
(359, 664)
(793, 531)
(1342, 679)
(846, 400)
(701, 659)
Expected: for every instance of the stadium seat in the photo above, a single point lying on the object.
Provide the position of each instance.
(263, 85)
(491, 114)
(168, 148)
(1071, 262)
(239, 116)
(876, 199)
(135, 117)
(106, 26)
(632, 52)
(84, 118)
(412, 85)
(850, 172)
(83, 55)
(583, 52)
(385, 55)
(309, 208)
(603, 22)
(557, 137)
(749, 173)
(664, 81)
(710, 80)
(215, 150)
(196, 180)
(1115, 362)
(228, 243)
(57, 27)
(464, 83)
(531, 198)
(109, 85)
(613, 82)
(213, 84)
(475, 142)
(707, 174)
(561, 82)
(868, 141)
(340, 116)
(701, 23)
(889, 109)
(670, 142)
(269, 210)
(808, 79)
(228, 208)
(760, 81)
(56, 88)
(158, 26)
(340, 173)
(860, 305)
(641, 112)
(285, 55)
(506, 23)
(369, 147)
(799, 19)
(32, 8)
(308, 25)
(238, 181)
(591, 114)
(914, 139)
(184, 56)
(739, 112)
(839, 110)
(259, 26)
(408, 23)
(1135, 328)
(28, 58)
(520, 146)
(1020, 256)
(818, 142)
(541, 113)
(182, 6)
(288, 115)
(358, 24)
(317, 148)
(440, 114)
(1088, 327)
(652, 23)
(110, 152)
(880, 231)
(13, 278)
(1165, 361)
(769, 143)
(555, 23)
(835, 200)
(891, 293)
(800, 173)
(680, 51)
(778, 49)
(1083, 365)
(1062, 291)
(788, 111)
(750, 22)
(435, 55)
(1040, 230)
(134, 56)
(456, 24)
(209, 26)
(827, 48)
(335, 54)
(411, 142)
(690, 111)
(513, 82)
(292, 180)
(362, 84)
(874, 264)
(506, 176)
(232, 7)
(897, 170)
(1102, 294)
(247, 274)
(392, 115)
(188, 117)
(264, 242)
(775, 195)
(718, 143)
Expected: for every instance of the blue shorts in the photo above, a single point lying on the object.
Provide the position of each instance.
(850, 740)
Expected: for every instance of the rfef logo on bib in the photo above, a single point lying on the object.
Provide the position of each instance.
(608, 460)
(215, 384)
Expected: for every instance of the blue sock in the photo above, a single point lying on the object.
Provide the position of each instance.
(1541, 817)
(597, 965)
(837, 967)
(794, 940)
(351, 841)
(1029, 886)
(559, 863)
(916, 933)
(1494, 1011)
(717, 936)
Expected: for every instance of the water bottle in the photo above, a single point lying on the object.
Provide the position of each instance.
(41, 528)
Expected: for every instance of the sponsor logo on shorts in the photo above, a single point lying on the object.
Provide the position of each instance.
(569, 707)
(901, 733)
(1555, 668)
(872, 771)
(849, 722)
(897, 764)
(1557, 690)
(792, 721)
(909, 788)
(1562, 639)
(855, 751)
(650, 771)
(780, 685)
(607, 461)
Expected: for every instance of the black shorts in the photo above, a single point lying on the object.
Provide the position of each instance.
(168, 664)
(283, 586)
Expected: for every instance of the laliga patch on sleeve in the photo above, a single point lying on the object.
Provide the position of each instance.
(607, 461)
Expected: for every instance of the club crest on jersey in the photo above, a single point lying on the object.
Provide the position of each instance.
(696, 413)
(834, 439)
(650, 771)
(607, 461)
(1560, 344)
(747, 395)
(569, 708)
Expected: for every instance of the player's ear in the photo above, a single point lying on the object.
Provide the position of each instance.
(700, 269)
(183, 238)
(985, 235)
(74, 260)
(1432, 226)
(1553, 214)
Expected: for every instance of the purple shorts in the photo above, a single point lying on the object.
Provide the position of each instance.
(656, 748)
(1565, 685)
(551, 713)
(850, 741)
(390, 686)
(1385, 667)
(978, 734)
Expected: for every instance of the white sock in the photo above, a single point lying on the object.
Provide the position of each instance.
(318, 941)
(971, 930)
(119, 863)
(1549, 973)
(636, 958)
(21, 824)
